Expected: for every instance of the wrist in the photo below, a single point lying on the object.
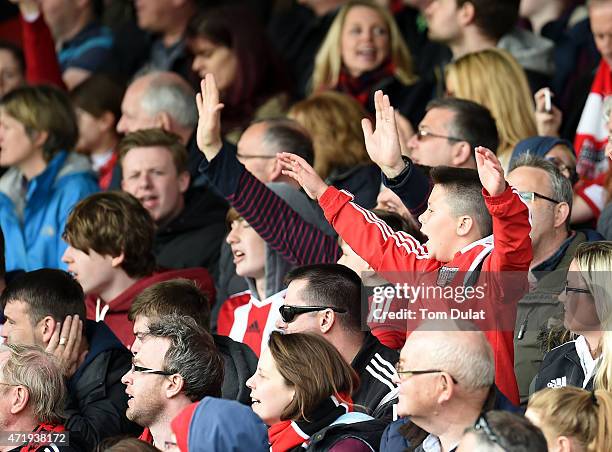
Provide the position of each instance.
(391, 172)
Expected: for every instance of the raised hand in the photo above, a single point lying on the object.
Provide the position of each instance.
(65, 344)
(383, 144)
(297, 168)
(490, 171)
(209, 123)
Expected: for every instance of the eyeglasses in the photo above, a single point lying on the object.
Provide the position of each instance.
(567, 289)
(530, 196)
(483, 424)
(146, 370)
(421, 133)
(409, 373)
(289, 313)
(254, 156)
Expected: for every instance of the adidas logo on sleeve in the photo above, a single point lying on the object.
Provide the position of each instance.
(557, 383)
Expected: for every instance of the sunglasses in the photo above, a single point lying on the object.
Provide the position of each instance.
(567, 289)
(146, 370)
(289, 313)
(530, 196)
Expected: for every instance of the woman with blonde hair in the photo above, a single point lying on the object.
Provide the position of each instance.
(573, 419)
(587, 302)
(494, 79)
(302, 385)
(364, 52)
(334, 123)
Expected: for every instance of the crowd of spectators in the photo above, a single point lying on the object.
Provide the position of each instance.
(320, 225)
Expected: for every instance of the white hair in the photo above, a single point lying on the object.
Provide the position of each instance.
(172, 95)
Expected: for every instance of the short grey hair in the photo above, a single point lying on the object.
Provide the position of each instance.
(192, 354)
(38, 371)
(287, 135)
(171, 95)
(470, 363)
(560, 186)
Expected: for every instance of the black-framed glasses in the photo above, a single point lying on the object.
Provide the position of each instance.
(254, 156)
(409, 373)
(567, 289)
(530, 196)
(289, 313)
(483, 425)
(146, 370)
(422, 133)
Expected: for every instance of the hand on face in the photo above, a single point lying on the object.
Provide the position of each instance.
(65, 344)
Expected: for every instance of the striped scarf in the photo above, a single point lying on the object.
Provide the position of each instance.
(361, 87)
(592, 134)
(287, 435)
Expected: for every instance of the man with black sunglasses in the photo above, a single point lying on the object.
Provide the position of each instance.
(325, 299)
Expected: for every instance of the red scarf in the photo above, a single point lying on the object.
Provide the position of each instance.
(592, 135)
(361, 87)
(105, 173)
(287, 435)
(42, 428)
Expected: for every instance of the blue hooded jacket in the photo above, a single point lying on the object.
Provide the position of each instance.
(220, 425)
(33, 214)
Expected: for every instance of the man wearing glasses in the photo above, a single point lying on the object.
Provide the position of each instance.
(445, 376)
(177, 364)
(548, 195)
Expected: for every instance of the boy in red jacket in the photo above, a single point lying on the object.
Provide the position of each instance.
(456, 223)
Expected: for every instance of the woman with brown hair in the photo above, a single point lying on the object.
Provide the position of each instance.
(334, 123)
(303, 385)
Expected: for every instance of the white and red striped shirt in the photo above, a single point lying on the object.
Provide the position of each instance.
(246, 319)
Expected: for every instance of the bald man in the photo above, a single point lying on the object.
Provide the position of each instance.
(446, 374)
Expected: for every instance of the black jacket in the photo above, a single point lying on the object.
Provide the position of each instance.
(240, 365)
(193, 239)
(375, 365)
(97, 401)
(561, 367)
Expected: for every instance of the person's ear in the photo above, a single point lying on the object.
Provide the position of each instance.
(562, 211)
(40, 138)
(446, 388)
(465, 224)
(174, 385)
(184, 179)
(107, 121)
(466, 14)
(326, 320)
(18, 399)
(461, 153)
(562, 444)
(118, 260)
(45, 328)
(163, 121)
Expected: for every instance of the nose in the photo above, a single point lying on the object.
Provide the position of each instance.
(232, 237)
(250, 381)
(122, 125)
(280, 324)
(127, 377)
(135, 346)
(144, 181)
(395, 378)
(197, 65)
(67, 256)
(423, 218)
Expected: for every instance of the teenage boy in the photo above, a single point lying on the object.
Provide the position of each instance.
(110, 253)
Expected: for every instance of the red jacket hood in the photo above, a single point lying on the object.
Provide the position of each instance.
(116, 315)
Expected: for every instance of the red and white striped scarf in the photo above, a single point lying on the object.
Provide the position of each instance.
(592, 133)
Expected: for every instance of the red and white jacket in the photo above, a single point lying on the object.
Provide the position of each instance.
(246, 319)
(508, 250)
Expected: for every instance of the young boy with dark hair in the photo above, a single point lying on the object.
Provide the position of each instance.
(455, 222)
(110, 253)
